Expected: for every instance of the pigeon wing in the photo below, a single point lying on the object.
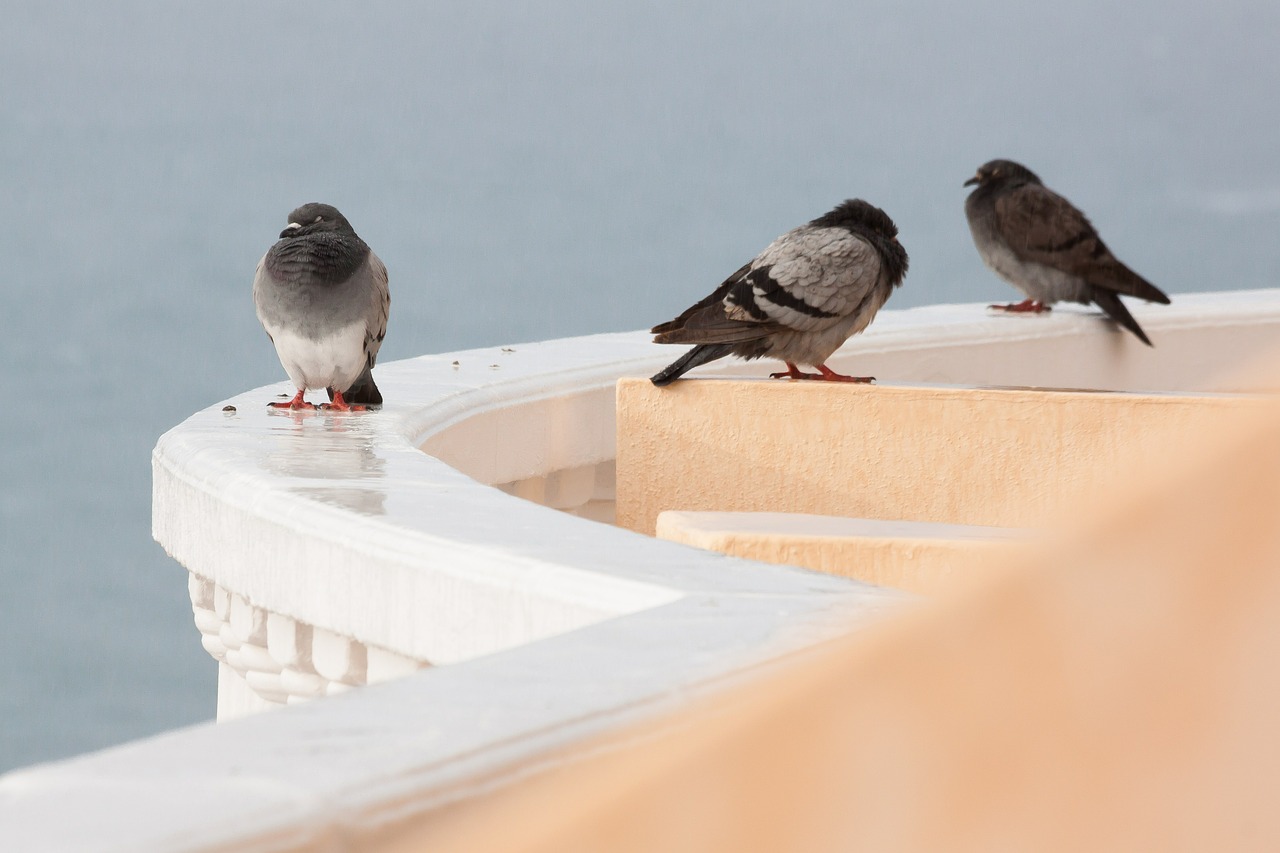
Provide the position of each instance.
(708, 321)
(1042, 227)
(807, 280)
(714, 298)
(265, 299)
(379, 305)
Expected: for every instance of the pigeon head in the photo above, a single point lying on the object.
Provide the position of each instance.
(314, 218)
(1002, 172)
(856, 213)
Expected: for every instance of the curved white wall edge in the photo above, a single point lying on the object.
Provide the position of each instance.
(324, 548)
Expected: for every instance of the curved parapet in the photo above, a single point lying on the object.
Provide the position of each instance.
(460, 537)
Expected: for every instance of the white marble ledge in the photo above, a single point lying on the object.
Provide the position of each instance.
(339, 521)
(556, 628)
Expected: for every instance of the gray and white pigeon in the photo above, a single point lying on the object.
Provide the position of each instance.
(322, 295)
(1043, 245)
(808, 292)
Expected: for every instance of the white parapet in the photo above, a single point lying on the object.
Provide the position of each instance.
(329, 551)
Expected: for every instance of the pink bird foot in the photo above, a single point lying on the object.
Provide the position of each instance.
(296, 403)
(341, 405)
(1026, 306)
(826, 374)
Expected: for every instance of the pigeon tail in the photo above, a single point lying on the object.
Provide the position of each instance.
(1123, 280)
(362, 391)
(694, 357)
(1109, 302)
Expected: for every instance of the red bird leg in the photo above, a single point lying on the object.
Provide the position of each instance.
(1026, 306)
(793, 372)
(825, 374)
(341, 405)
(831, 376)
(296, 403)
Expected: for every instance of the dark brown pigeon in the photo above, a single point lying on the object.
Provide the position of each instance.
(807, 293)
(1043, 245)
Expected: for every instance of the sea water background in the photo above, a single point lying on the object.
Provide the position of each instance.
(527, 171)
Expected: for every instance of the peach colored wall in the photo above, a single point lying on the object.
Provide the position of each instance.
(1119, 692)
(912, 556)
(1002, 457)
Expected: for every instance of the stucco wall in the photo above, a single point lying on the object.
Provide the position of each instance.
(998, 457)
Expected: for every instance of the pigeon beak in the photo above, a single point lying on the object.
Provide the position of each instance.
(289, 229)
(972, 181)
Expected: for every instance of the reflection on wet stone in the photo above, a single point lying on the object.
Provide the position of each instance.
(329, 449)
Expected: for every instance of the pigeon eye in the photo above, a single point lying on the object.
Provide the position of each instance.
(317, 219)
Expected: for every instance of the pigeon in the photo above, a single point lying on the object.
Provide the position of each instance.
(1043, 245)
(807, 293)
(321, 294)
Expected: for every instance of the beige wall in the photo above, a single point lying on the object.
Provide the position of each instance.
(1119, 692)
(919, 557)
(1011, 458)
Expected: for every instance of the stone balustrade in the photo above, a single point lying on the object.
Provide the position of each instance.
(279, 659)
(329, 551)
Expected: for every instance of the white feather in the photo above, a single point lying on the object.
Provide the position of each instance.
(334, 361)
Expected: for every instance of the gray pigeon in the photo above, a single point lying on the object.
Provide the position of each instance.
(1043, 245)
(322, 296)
(807, 293)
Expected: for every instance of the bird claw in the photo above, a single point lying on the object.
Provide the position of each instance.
(341, 405)
(826, 375)
(1026, 306)
(298, 402)
(787, 374)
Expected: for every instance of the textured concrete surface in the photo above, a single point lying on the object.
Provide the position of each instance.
(978, 456)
